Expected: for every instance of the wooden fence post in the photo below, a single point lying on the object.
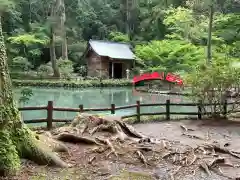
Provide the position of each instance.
(81, 108)
(168, 109)
(112, 108)
(138, 111)
(225, 108)
(49, 114)
(200, 109)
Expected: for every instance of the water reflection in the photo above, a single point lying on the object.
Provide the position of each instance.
(97, 97)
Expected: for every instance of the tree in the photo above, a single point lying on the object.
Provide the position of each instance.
(206, 5)
(54, 18)
(210, 26)
(16, 139)
(213, 84)
(170, 55)
(63, 29)
(118, 37)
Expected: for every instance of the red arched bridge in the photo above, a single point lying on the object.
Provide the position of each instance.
(170, 77)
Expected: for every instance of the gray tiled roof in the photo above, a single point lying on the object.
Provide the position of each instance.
(113, 50)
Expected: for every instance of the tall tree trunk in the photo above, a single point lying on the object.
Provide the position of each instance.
(16, 140)
(56, 72)
(209, 42)
(54, 8)
(63, 30)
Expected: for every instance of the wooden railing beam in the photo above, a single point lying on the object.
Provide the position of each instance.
(113, 109)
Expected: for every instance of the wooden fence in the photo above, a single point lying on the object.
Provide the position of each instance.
(50, 108)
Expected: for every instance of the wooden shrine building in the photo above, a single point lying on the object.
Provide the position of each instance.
(108, 59)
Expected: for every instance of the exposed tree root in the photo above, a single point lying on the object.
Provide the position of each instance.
(24, 145)
(76, 139)
(47, 140)
(193, 160)
(192, 136)
(141, 157)
(205, 167)
(219, 149)
(122, 140)
(91, 159)
(109, 144)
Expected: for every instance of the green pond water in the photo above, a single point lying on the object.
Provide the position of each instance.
(96, 98)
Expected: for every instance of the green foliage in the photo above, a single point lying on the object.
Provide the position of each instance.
(65, 68)
(227, 27)
(27, 40)
(20, 64)
(170, 55)
(26, 93)
(211, 83)
(82, 70)
(177, 23)
(73, 83)
(45, 70)
(118, 37)
(5, 5)
(28, 46)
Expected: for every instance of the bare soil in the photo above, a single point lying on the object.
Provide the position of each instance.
(87, 164)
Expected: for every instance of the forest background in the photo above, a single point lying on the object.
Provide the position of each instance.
(49, 37)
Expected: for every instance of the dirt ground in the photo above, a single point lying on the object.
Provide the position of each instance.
(84, 167)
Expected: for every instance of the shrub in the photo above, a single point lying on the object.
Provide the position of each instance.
(20, 63)
(212, 83)
(65, 68)
(45, 70)
(73, 83)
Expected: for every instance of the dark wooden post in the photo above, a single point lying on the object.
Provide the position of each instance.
(200, 109)
(168, 109)
(81, 108)
(225, 108)
(112, 108)
(138, 111)
(49, 114)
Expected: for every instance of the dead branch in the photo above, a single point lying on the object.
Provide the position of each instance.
(185, 128)
(192, 136)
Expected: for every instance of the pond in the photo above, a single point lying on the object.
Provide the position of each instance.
(96, 98)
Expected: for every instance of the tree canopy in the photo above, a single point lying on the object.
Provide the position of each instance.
(167, 35)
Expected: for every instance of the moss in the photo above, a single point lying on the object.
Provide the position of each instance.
(131, 175)
(9, 158)
(28, 147)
